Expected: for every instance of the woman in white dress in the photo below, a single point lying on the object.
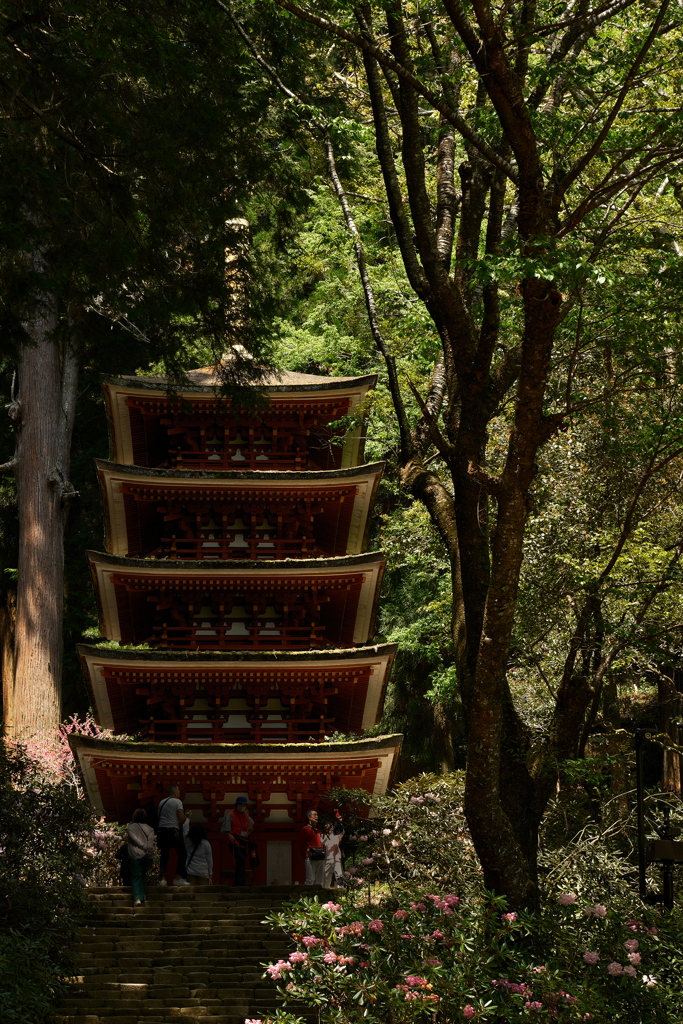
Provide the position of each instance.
(332, 870)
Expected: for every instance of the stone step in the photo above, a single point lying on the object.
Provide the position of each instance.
(188, 956)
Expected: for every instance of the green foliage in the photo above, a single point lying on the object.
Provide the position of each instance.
(30, 979)
(48, 839)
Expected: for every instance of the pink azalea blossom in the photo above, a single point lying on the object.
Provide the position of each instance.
(615, 969)
(599, 910)
(367, 861)
(631, 945)
(437, 935)
(510, 918)
(395, 842)
(311, 940)
(415, 980)
(468, 1011)
(566, 899)
(330, 958)
(631, 971)
(386, 831)
(297, 957)
(634, 958)
(400, 915)
(334, 908)
(590, 957)
(376, 926)
(533, 1006)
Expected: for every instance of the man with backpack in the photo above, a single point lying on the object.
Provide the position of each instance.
(172, 816)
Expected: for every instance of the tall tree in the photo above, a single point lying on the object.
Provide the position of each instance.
(127, 145)
(514, 144)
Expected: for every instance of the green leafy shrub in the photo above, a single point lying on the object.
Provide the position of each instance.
(437, 957)
(31, 980)
(50, 846)
(415, 937)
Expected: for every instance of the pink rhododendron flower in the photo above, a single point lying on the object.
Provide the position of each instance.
(634, 958)
(400, 915)
(275, 970)
(519, 988)
(566, 899)
(437, 934)
(533, 1006)
(590, 957)
(415, 980)
(376, 926)
(343, 960)
(297, 957)
(311, 940)
(510, 918)
(368, 861)
(649, 981)
(631, 945)
(631, 971)
(395, 842)
(386, 831)
(417, 799)
(418, 906)
(363, 839)
(330, 958)
(615, 969)
(468, 1011)
(333, 907)
(599, 910)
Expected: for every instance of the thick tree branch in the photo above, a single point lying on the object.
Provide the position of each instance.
(390, 363)
(385, 155)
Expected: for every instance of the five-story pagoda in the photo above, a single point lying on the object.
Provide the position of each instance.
(238, 587)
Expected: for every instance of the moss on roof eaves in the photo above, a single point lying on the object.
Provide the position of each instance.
(182, 750)
(235, 658)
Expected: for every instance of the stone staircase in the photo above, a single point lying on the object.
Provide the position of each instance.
(188, 956)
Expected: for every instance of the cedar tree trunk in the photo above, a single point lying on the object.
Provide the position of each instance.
(43, 416)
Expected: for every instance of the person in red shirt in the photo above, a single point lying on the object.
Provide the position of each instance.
(239, 826)
(312, 850)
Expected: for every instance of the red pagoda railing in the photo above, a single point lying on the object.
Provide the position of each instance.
(226, 549)
(183, 730)
(221, 638)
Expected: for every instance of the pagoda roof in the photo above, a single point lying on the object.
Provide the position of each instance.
(350, 619)
(294, 403)
(205, 379)
(121, 775)
(116, 676)
(342, 523)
